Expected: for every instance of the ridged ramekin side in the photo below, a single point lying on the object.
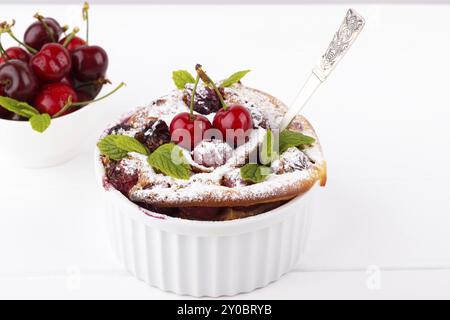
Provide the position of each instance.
(207, 265)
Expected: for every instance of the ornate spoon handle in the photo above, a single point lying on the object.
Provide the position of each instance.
(343, 39)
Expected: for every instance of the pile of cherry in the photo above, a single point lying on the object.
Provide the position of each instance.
(49, 69)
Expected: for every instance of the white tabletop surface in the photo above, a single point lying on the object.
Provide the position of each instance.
(383, 119)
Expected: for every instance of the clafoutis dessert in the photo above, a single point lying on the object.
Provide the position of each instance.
(211, 151)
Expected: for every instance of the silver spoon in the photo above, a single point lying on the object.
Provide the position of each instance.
(348, 32)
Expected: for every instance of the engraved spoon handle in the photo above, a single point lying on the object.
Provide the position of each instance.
(343, 39)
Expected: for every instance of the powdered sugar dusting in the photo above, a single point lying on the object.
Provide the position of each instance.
(216, 174)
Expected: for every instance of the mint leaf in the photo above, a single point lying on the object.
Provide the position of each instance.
(130, 144)
(254, 172)
(235, 77)
(181, 77)
(40, 122)
(117, 147)
(169, 159)
(290, 139)
(18, 107)
(267, 152)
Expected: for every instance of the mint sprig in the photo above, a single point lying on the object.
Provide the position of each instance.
(254, 172)
(39, 122)
(235, 77)
(290, 139)
(181, 78)
(117, 147)
(169, 159)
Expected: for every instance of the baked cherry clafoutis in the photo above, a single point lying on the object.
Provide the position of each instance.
(211, 151)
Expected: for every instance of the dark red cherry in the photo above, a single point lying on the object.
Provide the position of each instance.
(18, 80)
(51, 63)
(89, 63)
(36, 34)
(187, 131)
(52, 98)
(15, 53)
(234, 123)
(88, 91)
(73, 44)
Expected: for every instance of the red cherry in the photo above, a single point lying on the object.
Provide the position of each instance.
(67, 80)
(235, 120)
(52, 98)
(15, 53)
(73, 44)
(192, 128)
(89, 63)
(52, 62)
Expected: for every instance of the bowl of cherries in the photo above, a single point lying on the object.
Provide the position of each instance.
(47, 83)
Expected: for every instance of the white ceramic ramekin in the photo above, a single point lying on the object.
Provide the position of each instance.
(201, 258)
(62, 141)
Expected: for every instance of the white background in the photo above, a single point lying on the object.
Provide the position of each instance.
(383, 119)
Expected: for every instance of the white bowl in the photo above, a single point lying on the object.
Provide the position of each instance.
(206, 258)
(62, 141)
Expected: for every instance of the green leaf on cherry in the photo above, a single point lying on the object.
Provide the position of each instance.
(181, 78)
(40, 122)
(235, 77)
(290, 139)
(117, 147)
(169, 160)
(254, 172)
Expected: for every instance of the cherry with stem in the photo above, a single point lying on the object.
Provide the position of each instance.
(71, 104)
(234, 119)
(49, 31)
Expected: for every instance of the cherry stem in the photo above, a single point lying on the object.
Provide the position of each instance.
(65, 108)
(100, 81)
(11, 34)
(70, 36)
(46, 27)
(206, 79)
(3, 52)
(71, 104)
(85, 13)
(6, 28)
(191, 107)
(31, 49)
